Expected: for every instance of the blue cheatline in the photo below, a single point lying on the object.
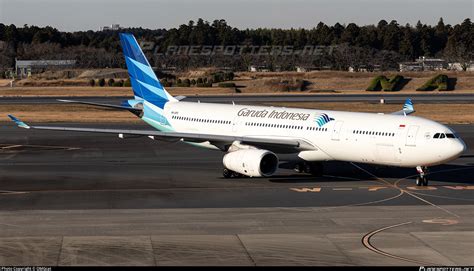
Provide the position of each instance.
(145, 84)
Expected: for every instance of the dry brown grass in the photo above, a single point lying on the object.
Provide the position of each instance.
(75, 91)
(4, 82)
(65, 91)
(346, 82)
(66, 113)
(248, 83)
(446, 113)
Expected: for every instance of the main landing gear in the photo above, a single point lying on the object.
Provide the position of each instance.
(227, 173)
(422, 180)
(313, 168)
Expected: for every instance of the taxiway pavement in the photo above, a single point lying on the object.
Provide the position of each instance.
(91, 199)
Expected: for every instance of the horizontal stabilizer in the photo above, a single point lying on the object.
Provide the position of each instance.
(179, 98)
(119, 107)
(18, 122)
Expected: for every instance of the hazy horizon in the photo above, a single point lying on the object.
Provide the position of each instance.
(82, 15)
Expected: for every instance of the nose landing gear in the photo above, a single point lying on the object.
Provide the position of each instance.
(422, 180)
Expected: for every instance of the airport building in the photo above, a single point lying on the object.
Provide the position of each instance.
(112, 27)
(365, 68)
(25, 68)
(306, 68)
(261, 68)
(424, 64)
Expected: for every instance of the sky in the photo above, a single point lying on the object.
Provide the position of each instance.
(78, 15)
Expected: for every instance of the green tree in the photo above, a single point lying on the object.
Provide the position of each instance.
(391, 37)
(406, 43)
(440, 35)
(350, 34)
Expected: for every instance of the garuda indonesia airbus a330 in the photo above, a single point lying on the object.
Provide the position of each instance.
(255, 138)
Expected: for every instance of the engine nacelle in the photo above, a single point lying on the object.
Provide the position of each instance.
(252, 162)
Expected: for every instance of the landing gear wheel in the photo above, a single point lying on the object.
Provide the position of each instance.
(300, 167)
(425, 181)
(422, 180)
(237, 175)
(227, 173)
(419, 181)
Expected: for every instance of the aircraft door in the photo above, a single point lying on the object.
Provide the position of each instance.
(411, 135)
(236, 124)
(336, 133)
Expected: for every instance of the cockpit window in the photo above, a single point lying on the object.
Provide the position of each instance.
(443, 135)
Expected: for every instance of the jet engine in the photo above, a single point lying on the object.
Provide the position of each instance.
(252, 162)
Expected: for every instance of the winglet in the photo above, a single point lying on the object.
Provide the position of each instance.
(18, 122)
(408, 106)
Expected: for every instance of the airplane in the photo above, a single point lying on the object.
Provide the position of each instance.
(257, 140)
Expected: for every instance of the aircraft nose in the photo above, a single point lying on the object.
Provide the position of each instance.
(459, 147)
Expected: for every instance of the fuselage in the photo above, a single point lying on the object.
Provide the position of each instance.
(385, 139)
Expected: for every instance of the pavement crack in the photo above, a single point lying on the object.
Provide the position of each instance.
(246, 251)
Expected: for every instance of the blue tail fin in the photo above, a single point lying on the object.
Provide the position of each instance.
(145, 84)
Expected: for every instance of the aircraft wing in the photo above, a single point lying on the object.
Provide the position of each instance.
(279, 145)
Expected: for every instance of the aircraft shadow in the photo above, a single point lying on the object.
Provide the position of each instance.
(346, 172)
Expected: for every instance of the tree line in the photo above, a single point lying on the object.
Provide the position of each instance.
(384, 44)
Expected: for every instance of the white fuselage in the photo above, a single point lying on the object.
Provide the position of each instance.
(385, 139)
